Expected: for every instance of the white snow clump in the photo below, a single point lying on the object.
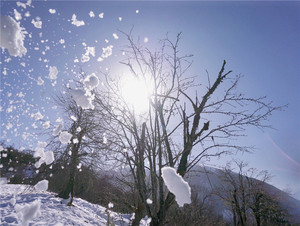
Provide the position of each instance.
(18, 15)
(42, 185)
(46, 124)
(52, 11)
(40, 81)
(58, 128)
(38, 23)
(53, 72)
(106, 52)
(77, 22)
(149, 201)
(177, 185)
(82, 98)
(12, 36)
(28, 212)
(86, 56)
(91, 81)
(65, 137)
(91, 14)
(101, 15)
(45, 157)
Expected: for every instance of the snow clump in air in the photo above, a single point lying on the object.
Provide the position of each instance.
(177, 185)
(28, 212)
(82, 98)
(106, 52)
(58, 128)
(92, 14)
(53, 72)
(91, 81)
(37, 116)
(101, 15)
(18, 15)
(12, 36)
(77, 22)
(21, 4)
(65, 137)
(115, 36)
(45, 157)
(40, 81)
(149, 201)
(46, 124)
(37, 23)
(42, 185)
(89, 51)
(52, 11)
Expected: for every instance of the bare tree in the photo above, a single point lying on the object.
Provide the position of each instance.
(85, 144)
(246, 195)
(180, 128)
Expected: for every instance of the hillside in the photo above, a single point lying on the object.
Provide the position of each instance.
(21, 204)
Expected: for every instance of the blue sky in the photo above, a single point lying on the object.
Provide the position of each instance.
(259, 40)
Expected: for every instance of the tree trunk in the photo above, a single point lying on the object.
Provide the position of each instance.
(139, 214)
(69, 190)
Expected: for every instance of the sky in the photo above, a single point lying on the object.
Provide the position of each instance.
(259, 40)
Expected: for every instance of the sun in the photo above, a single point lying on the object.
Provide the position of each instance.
(136, 93)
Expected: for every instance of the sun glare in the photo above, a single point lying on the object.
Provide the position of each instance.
(136, 93)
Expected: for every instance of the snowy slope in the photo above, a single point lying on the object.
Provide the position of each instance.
(20, 204)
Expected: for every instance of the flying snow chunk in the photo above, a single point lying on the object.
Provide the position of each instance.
(149, 201)
(73, 118)
(37, 116)
(52, 11)
(84, 58)
(21, 4)
(82, 98)
(42, 185)
(40, 81)
(49, 157)
(65, 137)
(18, 15)
(106, 52)
(177, 185)
(53, 72)
(27, 14)
(91, 81)
(58, 129)
(46, 124)
(77, 22)
(115, 36)
(12, 36)
(38, 23)
(28, 212)
(89, 51)
(101, 15)
(44, 157)
(146, 39)
(92, 14)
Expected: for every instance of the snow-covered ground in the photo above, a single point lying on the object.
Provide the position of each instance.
(24, 205)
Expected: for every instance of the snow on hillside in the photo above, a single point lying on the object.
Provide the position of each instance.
(23, 205)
